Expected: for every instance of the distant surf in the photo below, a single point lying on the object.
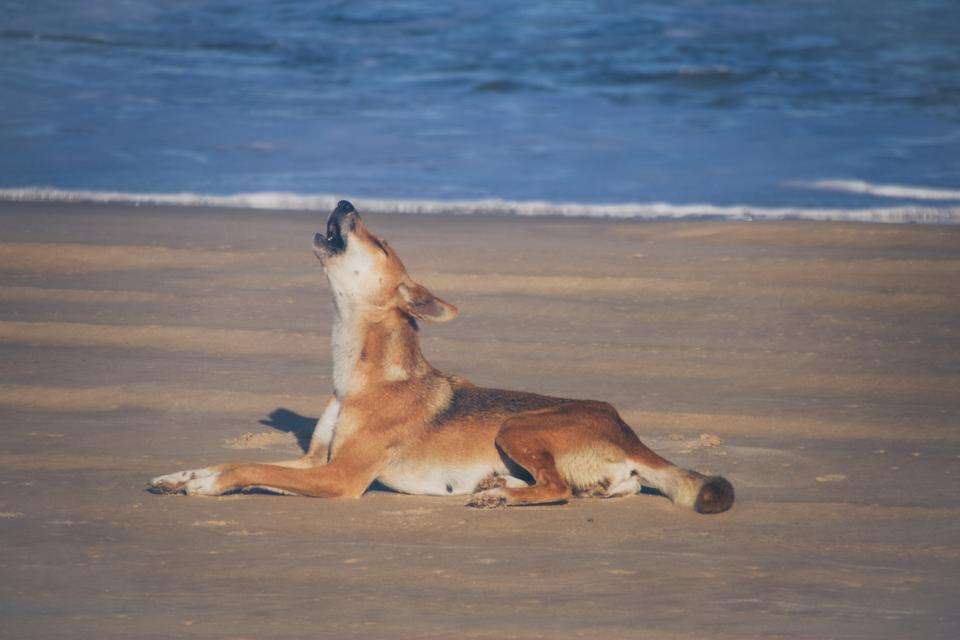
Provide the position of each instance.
(861, 187)
(946, 214)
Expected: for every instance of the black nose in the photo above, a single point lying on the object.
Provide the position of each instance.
(343, 209)
(344, 213)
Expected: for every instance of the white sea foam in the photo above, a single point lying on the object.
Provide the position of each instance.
(882, 190)
(630, 210)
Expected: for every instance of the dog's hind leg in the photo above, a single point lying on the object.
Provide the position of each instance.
(585, 448)
(549, 486)
(534, 440)
(568, 448)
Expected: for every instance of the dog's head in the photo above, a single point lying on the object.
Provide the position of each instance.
(364, 272)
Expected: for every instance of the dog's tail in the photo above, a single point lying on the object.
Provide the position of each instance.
(687, 488)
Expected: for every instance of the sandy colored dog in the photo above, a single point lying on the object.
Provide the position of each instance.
(396, 419)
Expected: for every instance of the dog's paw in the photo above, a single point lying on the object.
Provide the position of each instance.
(489, 499)
(163, 488)
(493, 481)
(203, 486)
(180, 482)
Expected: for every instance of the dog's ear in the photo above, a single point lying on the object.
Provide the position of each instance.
(416, 300)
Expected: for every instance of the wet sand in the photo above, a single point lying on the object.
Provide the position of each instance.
(813, 364)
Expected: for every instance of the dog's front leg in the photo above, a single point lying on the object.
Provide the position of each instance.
(318, 482)
(177, 482)
(347, 476)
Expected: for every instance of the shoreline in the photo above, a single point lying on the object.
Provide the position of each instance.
(918, 211)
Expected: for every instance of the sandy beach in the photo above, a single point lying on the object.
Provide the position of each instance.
(813, 364)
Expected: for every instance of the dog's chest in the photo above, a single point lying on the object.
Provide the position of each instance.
(346, 352)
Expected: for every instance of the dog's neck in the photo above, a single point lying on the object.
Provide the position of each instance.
(373, 346)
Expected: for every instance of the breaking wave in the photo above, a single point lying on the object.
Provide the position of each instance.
(494, 206)
(861, 187)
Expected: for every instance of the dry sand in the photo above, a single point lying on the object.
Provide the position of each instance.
(817, 365)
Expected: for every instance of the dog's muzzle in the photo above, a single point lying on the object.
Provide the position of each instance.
(333, 241)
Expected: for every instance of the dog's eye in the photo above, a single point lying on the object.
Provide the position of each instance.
(381, 244)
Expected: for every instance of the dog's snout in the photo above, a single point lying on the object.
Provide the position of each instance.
(342, 212)
(341, 222)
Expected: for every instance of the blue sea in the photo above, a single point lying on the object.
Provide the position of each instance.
(848, 108)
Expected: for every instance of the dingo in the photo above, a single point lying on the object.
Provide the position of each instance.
(394, 418)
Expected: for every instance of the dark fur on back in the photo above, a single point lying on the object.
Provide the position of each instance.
(470, 401)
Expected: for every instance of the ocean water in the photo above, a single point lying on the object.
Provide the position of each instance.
(737, 108)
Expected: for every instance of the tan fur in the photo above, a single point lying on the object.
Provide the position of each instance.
(396, 419)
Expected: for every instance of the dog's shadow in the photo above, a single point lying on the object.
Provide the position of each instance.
(288, 421)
